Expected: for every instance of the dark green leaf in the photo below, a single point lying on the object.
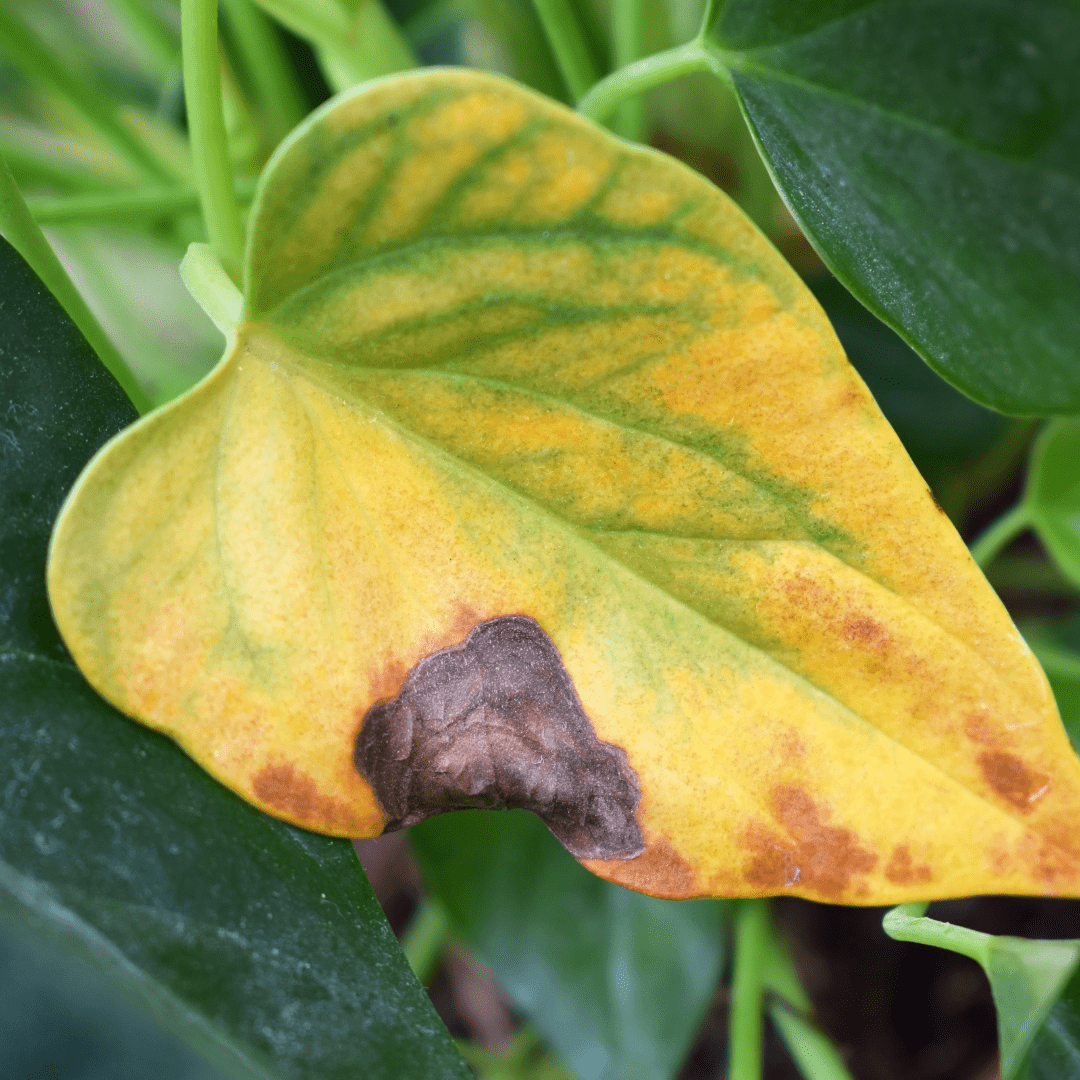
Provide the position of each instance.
(930, 149)
(1055, 1053)
(617, 982)
(260, 944)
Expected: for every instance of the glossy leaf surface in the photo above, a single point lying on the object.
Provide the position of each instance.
(1026, 978)
(930, 152)
(1053, 493)
(494, 364)
(261, 945)
(616, 982)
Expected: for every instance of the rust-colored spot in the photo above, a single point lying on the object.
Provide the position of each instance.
(1057, 855)
(937, 505)
(773, 864)
(901, 869)
(978, 729)
(659, 871)
(816, 856)
(1013, 780)
(494, 722)
(864, 630)
(284, 787)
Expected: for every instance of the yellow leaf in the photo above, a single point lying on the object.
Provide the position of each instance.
(533, 452)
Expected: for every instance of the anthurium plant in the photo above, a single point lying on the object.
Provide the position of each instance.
(534, 477)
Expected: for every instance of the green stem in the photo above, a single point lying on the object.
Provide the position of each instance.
(209, 142)
(790, 1010)
(747, 989)
(570, 45)
(1000, 533)
(907, 923)
(266, 66)
(26, 52)
(124, 207)
(351, 48)
(634, 79)
(214, 291)
(23, 233)
(424, 940)
(628, 45)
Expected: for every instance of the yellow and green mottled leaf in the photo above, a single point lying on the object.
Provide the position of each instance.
(496, 362)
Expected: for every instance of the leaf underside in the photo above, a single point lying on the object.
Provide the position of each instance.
(496, 362)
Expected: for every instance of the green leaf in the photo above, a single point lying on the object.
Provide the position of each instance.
(615, 981)
(1026, 977)
(261, 945)
(1053, 493)
(928, 149)
(1055, 1051)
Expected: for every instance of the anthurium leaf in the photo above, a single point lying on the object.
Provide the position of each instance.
(260, 944)
(929, 151)
(1026, 977)
(616, 982)
(1052, 494)
(1055, 1050)
(536, 477)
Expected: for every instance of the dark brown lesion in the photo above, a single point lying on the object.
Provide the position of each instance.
(495, 723)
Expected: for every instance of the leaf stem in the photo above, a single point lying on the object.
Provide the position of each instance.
(747, 989)
(26, 52)
(351, 48)
(569, 43)
(790, 1010)
(907, 923)
(214, 291)
(23, 233)
(266, 66)
(209, 142)
(634, 79)
(628, 45)
(123, 207)
(425, 938)
(998, 535)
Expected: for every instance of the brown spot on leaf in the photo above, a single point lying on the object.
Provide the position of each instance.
(901, 870)
(659, 871)
(978, 729)
(494, 722)
(864, 630)
(1012, 779)
(288, 790)
(814, 855)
